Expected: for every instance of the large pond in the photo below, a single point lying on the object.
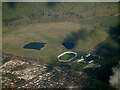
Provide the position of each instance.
(68, 45)
(34, 45)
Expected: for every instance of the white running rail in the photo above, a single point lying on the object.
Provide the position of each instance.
(67, 53)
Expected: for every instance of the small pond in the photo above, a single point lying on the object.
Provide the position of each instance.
(34, 45)
(68, 45)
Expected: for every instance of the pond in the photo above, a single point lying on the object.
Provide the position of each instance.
(68, 45)
(34, 45)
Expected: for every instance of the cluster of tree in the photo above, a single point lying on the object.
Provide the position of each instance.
(44, 17)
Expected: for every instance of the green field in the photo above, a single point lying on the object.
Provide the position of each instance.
(83, 10)
(54, 34)
(85, 24)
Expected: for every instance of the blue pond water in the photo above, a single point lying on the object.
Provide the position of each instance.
(68, 45)
(34, 45)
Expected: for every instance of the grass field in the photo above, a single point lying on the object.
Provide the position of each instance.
(54, 34)
(83, 10)
(85, 24)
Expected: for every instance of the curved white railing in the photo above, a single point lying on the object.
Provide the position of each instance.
(66, 53)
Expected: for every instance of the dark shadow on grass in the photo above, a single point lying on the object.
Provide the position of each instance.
(111, 57)
(115, 34)
(52, 4)
(12, 4)
(75, 36)
(106, 48)
(81, 34)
